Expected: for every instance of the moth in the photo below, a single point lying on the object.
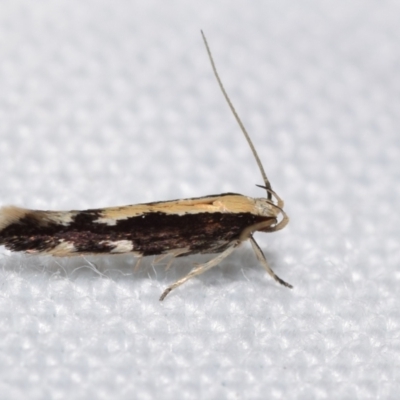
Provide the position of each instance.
(215, 224)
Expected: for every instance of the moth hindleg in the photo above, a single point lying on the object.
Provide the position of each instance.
(173, 254)
(200, 268)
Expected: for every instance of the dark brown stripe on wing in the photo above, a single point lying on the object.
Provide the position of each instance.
(151, 234)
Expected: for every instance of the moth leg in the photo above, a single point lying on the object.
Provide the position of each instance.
(261, 257)
(160, 258)
(137, 264)
(170, 263)
(199, 269)
(175, 254)
(163, 256)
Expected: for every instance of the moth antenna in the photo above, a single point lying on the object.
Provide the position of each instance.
(246, 135)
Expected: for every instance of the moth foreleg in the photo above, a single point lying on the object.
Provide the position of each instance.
(261, 257)
(200, 268)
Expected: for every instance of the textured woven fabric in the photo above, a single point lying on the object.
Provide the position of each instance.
(106, 103)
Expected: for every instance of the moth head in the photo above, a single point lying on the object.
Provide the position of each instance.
(272, 209)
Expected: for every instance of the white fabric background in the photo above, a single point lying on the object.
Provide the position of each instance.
(107, 103)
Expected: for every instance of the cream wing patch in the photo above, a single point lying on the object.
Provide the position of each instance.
(234, 203)
(120, 246)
